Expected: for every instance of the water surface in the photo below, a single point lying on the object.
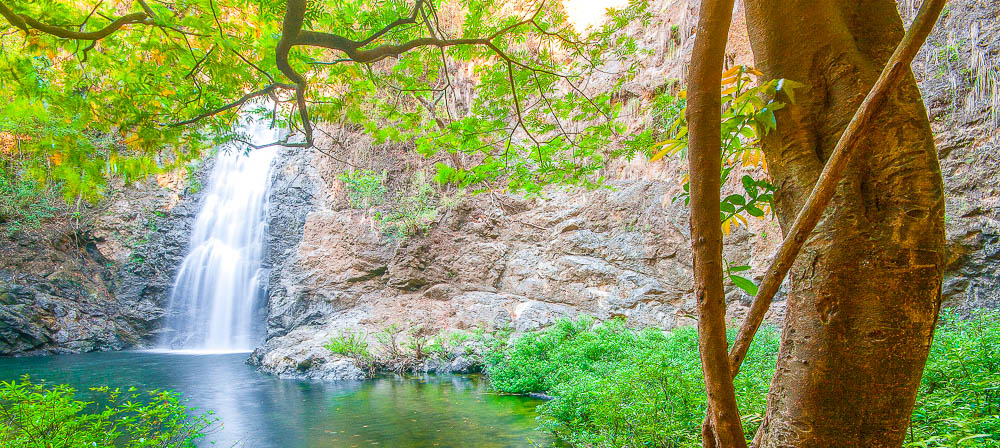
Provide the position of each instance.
(258, 410)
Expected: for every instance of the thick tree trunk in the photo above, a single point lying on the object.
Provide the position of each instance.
(866, 288)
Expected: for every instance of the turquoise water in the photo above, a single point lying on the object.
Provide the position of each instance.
(261, 411)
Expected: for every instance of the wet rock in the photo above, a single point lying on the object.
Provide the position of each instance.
(305, 360)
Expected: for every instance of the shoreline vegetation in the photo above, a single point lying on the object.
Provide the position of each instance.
(608, 385)
(604, 385)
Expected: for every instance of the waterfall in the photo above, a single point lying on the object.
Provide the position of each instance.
(220, 286)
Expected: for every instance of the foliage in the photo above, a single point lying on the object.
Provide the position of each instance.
(400, 349)
(154, 94)
(748, 115)
(24, 204)
(365, 188)
(191, 181)
(354, 346)
(349, 344)
(35, 413)
(958, 404)
(617, 387)
(414, 211)
(664, 110)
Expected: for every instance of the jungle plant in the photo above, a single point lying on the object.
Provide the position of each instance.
(414, 211)
(385, 67)
(747, 117)
(615, 386)
(354, 346)
(365, 188)
(33, 414)
(24, 203)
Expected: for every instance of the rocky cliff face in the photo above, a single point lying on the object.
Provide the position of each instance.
(498, 261)
(55, 298)
(100, 282)
(958, 72)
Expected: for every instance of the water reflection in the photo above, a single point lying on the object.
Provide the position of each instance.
(262, 411)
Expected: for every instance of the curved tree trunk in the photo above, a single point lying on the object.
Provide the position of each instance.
(865, 291)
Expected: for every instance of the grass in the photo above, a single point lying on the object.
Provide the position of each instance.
(618, 387)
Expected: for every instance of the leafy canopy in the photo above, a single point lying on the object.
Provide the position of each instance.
(97, 89)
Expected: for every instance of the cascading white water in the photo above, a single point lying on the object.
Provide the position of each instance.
(220, 285)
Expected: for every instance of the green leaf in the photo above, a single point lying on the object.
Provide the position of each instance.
(744, 283)
(736, 199)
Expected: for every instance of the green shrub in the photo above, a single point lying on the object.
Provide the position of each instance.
(414, 211)
(349, 344)
(617, 387)
(37, 415)
(959, 400)
(365, 188)
(191, 181)
(354, 346)
(24, 203)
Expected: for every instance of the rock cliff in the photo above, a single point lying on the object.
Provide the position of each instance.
(498, 261)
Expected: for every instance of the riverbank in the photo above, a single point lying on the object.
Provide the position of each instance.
(617, 387)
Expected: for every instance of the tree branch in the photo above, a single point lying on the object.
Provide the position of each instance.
(237, 103)
(25, 23)
(291, 27)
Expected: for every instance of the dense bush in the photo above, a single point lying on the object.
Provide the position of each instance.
(959, 399)
(36, 415)
(617, 387)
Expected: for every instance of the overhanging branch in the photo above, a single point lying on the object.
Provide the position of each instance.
(26, 23)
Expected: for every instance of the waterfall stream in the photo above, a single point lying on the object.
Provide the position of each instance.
(220, 286)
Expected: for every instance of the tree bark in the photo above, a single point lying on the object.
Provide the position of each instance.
(705, 163)
(866, 289)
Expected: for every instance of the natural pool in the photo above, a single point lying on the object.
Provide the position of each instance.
(260, 411)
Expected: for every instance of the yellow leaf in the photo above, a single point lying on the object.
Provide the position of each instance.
(741, 218)
(729, 90)
(659, 155)
(732, 71)
(725, 226)
(683, 94)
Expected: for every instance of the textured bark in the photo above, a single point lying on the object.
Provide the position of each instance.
(865, 291)
(705, 161)
(829, 179)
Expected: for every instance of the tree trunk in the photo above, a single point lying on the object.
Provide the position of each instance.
(705, 161)
(866, 289)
